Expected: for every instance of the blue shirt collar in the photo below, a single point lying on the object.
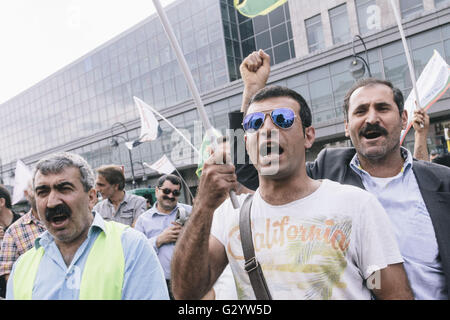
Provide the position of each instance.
(407, 165)
(46, 238)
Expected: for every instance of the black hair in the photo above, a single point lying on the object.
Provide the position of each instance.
(398, 95)
(279, 91)
(113, 174)
(4, 193)
(171, 177)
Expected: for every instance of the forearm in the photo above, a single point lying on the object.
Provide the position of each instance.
(191, 271)
(248, 93)
(420, 147)
(394, 284)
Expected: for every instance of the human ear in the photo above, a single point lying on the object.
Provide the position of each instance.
(310, 136)
(347, 131)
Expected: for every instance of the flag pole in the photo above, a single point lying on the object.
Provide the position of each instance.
(187, 187)
(190, 82)
(408, 56)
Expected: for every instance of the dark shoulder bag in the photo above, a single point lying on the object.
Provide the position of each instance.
(252, 266)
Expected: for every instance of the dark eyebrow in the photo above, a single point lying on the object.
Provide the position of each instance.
(362, 105)
(377, 105)
(43, 187)
(63, 184)
(58, 186)
(382, 104)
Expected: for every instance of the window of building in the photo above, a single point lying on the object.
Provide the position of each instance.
(281, 52)
(276, 16)
(261, 23)
(248, 46)
(279, 34)
(369, 16)
(340, 27)
(441, 3)
(263, 40)
(409, 7)
(314, 33)
(246, 29)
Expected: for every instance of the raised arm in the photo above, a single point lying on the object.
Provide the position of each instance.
(199, 258)
(255, 70)
(420, 135)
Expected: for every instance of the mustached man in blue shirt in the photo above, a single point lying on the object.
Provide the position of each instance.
(81, 256)
(160, 223)
(414, 193)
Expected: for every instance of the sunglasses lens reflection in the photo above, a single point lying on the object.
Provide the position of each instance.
(175, 193)
(281, 117)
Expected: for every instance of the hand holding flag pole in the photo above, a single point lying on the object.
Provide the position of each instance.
(190, 82)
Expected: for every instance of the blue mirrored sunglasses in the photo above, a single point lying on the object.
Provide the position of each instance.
(281, 117)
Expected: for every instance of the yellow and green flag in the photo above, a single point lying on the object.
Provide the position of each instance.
(253, 8)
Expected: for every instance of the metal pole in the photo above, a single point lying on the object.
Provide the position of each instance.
(129, 151)
(366, 62)
(190, 82)
(1, 171)
(179, 174)
(132, 169)
(408, 56)
(185, 183)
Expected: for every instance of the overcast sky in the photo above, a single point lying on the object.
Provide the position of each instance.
(40, 37)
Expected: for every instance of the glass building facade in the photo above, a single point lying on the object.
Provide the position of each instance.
(96, 91)
(81, 107)
(271, 32)
(93, 96)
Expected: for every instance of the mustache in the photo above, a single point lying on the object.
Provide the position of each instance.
(167, 198)
(61, 209)
(375, 128)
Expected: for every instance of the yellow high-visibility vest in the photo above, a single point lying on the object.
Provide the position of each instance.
(102, 277)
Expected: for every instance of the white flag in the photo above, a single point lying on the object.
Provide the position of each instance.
(431, 85)
(21, 179)
(150, 129)
(163, 165)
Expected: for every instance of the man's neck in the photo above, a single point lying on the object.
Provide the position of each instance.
(69, 249)
(6, 217)
(386, 167)
(117, 197)
(283, 191)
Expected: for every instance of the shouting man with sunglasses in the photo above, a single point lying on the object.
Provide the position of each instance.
(158, 223)
(314, 239)
(415, 194)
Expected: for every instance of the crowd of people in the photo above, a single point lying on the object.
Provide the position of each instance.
(366, 222)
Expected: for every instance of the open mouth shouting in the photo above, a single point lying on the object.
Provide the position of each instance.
(269, 151)
(58, 216)
(372, 132)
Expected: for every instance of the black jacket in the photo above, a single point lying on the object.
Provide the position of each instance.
(334, 164)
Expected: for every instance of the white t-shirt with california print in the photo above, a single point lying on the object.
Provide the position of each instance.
(322, 246)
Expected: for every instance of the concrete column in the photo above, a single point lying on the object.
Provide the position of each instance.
(326, 25)
(387, 14)
(428, 5)
(352, 17)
